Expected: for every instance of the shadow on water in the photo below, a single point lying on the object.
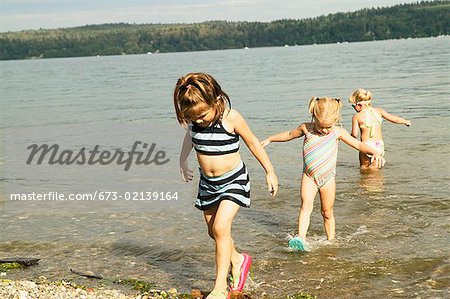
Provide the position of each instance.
(173, 261)
(190, 263)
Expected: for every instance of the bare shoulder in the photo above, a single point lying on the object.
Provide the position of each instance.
(307, 127)
(356, 116)
(231, 119)
(232, 115)
(379, 110)
(302, 127)
(340, 131)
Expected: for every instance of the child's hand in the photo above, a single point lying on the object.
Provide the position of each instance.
(186, 174)
(272, 183)
(378, 160)
(408, 123)
(265, 142)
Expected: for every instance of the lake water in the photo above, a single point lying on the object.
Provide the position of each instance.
(392, 227)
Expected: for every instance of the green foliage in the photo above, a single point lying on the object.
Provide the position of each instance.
(9, 266)
(422, 19)
(138, 285)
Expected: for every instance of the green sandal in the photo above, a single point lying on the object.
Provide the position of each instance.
(234, 281)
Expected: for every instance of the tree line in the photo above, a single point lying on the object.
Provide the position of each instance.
(420, 19)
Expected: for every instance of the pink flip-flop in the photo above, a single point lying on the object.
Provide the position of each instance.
(244, 272)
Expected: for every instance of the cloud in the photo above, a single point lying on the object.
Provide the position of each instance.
(35, 14)
(170, 12)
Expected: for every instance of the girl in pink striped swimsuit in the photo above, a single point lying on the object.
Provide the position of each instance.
(320, 149)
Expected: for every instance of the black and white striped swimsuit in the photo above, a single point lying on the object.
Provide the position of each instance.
(214, 139)
(233, 185)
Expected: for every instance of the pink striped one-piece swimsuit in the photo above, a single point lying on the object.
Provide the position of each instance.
(320, 156)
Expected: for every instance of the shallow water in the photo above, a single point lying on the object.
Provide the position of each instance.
(392, 226)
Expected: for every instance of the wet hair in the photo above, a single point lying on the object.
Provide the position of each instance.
(194, 89)
(360, 95)
(325, 109)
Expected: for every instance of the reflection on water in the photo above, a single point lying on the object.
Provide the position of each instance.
(372, 180)
(392, 225)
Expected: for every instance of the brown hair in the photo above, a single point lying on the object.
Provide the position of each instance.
(194, 89)
(325, 109)
(360, 95)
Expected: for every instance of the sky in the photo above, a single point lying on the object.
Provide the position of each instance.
(16, 15)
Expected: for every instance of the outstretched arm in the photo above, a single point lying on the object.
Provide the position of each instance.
(394, 118)
(284, 136)
(362, 147)
(254, 145)
(186, 173)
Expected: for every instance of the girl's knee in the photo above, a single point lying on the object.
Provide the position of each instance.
(327, 213)
(220, 229)
(306, 206)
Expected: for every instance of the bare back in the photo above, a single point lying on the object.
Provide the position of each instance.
(369, 122)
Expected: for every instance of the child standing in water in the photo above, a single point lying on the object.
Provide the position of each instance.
(320, 149)
(368, 120)
(213, 131)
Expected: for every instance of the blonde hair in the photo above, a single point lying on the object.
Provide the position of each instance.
(194, 89)
(360, 95)
(325, 109)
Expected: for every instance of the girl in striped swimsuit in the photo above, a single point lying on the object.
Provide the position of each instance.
(213, 130)
(320, 149)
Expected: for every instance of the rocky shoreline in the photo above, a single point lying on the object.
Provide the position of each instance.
(25, 289)
(89, 285)
(96, 286)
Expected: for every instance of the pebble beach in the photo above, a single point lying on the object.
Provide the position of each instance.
(24, 289)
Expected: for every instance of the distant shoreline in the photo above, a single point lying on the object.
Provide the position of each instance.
(246, 48)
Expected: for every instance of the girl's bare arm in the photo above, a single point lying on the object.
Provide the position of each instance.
(254, 145)
(186, 173)
(355, 126)
(362, 147)
(394, 118)
(285, 136)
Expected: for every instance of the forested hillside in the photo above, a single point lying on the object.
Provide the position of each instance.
(422, 19)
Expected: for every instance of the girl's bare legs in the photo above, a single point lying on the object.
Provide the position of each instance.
(327, 195)
(219, 220)
(307, 193)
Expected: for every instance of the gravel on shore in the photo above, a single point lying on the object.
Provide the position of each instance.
(24, 289)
